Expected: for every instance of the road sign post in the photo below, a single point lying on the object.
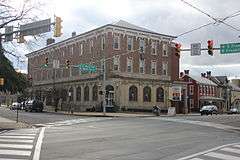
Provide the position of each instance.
(230, 48)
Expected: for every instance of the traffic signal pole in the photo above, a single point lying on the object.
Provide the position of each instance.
(104, 83)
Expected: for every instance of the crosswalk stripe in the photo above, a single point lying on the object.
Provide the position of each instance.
(18, 137)
(231, 150)
(11, 159)
(19, 134)
(15, 152)
(238, 146)
(16, 140)
(18, 146)
(222, 156)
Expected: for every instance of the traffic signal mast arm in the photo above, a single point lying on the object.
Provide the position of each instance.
(202, 49)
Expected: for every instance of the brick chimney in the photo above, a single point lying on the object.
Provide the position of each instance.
(181, 74)
(203, 75)
(186, 72)
(208, 74)
(50, 41)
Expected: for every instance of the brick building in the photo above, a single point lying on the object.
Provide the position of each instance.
(141, 65)
(201, 91)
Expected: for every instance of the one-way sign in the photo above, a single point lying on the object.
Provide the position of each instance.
(195, 49)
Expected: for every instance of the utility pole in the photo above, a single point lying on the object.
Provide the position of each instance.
(104, 83)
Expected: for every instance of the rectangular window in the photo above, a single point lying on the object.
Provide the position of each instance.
(142, 46)
(191, 103)
(103, 42)
(191, 89)
(116, 42)
(200, 89)
(153, 67)
(165, 50)
(91, 46)
(165, 69)
(116, 63)
(81, 48)
(141, 66)
(154, 48)
(130, 43)
(129, 64)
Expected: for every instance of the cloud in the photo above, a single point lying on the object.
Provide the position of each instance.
(168, 17)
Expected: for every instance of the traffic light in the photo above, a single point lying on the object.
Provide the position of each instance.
(67, 64)
(1, 81)
(46, 62)
(210, 47)
(178, 49)
(58, 27)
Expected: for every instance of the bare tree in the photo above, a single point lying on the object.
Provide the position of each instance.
(17, 11)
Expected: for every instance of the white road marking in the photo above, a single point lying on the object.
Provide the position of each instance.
(16, 140)
(15, 152)
(207, 151)
(231, 150)
(238, 146)
(11, 159)
(18, 137)
(38, 146)
(222, 156)
(18, 146)
(19, 134)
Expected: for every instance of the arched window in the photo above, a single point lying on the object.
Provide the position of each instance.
(133, 93)
(70, 94)
(95, 93)
(86, 93)
(79, 93)
(147, 94)
(160, 94)
(64, 95)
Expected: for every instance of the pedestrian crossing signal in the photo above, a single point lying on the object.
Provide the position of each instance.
(1, 81)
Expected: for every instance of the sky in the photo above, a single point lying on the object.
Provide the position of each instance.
(168, 17)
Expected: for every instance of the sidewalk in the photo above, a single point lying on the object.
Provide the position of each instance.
(101, 114)
(10, 124)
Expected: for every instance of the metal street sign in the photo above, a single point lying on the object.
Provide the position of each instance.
(195, 49)
(87, 67)
(8, 33)
(230, 48)
(35, 28)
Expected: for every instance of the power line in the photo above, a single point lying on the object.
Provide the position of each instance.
(237, 13)
(205, 25)
(199, 10)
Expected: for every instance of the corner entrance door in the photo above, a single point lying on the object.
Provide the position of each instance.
(109, 96)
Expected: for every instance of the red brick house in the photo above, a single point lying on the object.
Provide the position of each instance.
(141, 65)
(201, 91)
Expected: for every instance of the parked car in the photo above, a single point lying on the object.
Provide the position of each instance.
(233, 111)
(34, 105)
(22, 105)
(15, 105)
(209, 109)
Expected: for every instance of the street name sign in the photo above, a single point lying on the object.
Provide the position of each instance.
(195, 49)
(230, 48)
(35, 28)
(87, 67)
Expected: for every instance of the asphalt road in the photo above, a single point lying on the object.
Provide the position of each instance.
(131, 138)
(232, 120)
(35, 117)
